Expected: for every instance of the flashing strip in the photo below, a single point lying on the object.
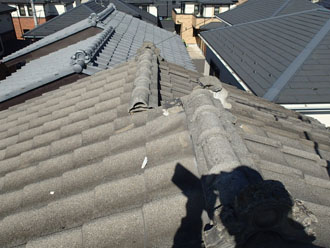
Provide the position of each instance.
(239, 80)
(281, 82)
(281, 8)
(308, 107)
(223, 21)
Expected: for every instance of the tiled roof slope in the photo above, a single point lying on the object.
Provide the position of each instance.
(213, 25)
(64, 20)
(325, 3)
(77, 170)
(82, 12)
(254, 10)
(119, 41)
(286, 56)
(5, 8)
(88, 152)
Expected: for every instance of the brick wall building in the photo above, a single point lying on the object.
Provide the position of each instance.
(23, 15)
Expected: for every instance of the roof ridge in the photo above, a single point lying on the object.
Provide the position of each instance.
(270, 18)
(107, 11)
(208, 123)
(280, 83)
(146, 76)
(82, 57)
(281, 8)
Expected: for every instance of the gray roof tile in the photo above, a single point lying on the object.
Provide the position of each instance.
(59, 64)
(262, 54)
(130, 170)
(257, 9)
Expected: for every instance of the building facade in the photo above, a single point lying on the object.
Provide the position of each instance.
(23, 16)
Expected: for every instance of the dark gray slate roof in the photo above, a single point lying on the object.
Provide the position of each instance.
(82, 12)
(254, 10)
(213, 25)
(78, 170)
(68, 18)
(122, 36)
(284, 59)
(5, 8)
(168, 25)
(325, 3)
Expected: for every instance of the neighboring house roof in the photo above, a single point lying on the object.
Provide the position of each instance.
(75, 15)
(85, 166)
(213, 25)
(325, 3)
(4, 8)
(254, 10)
(168, 25)
(37, 1)
(217, 2)
(284, 59)
(82, 12)
(118, 42)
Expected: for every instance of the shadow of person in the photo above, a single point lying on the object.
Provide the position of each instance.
(244, 211)
(190, 232)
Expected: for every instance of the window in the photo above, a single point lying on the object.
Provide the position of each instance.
(216, 10)
(214, 70)
(30, 13)
(144, 7)
(21, 9)
(196, 10)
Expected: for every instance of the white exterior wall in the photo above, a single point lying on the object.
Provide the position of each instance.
(6, 23)
(152, 10)
(60, 8)
(14, 13)
(323, 118)
(189, 8)
(178, 10)
(223, 9)
(39, 10)
(208, 11)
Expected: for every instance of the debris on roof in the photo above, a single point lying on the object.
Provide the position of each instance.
(283, 58)
(264, 167)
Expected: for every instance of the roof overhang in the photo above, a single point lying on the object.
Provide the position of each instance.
(235, 75)
(309, 107)
(223, 20)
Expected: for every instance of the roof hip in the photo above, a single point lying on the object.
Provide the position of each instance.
(280, 83)
(146, 77)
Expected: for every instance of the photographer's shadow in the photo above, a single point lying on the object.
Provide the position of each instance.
(245, 211)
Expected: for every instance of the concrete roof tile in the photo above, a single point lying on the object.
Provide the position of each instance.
(65, 145)
(142, 171)
(101, 233)
(71, 238)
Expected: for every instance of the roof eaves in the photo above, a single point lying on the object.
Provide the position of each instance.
(235, 75)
